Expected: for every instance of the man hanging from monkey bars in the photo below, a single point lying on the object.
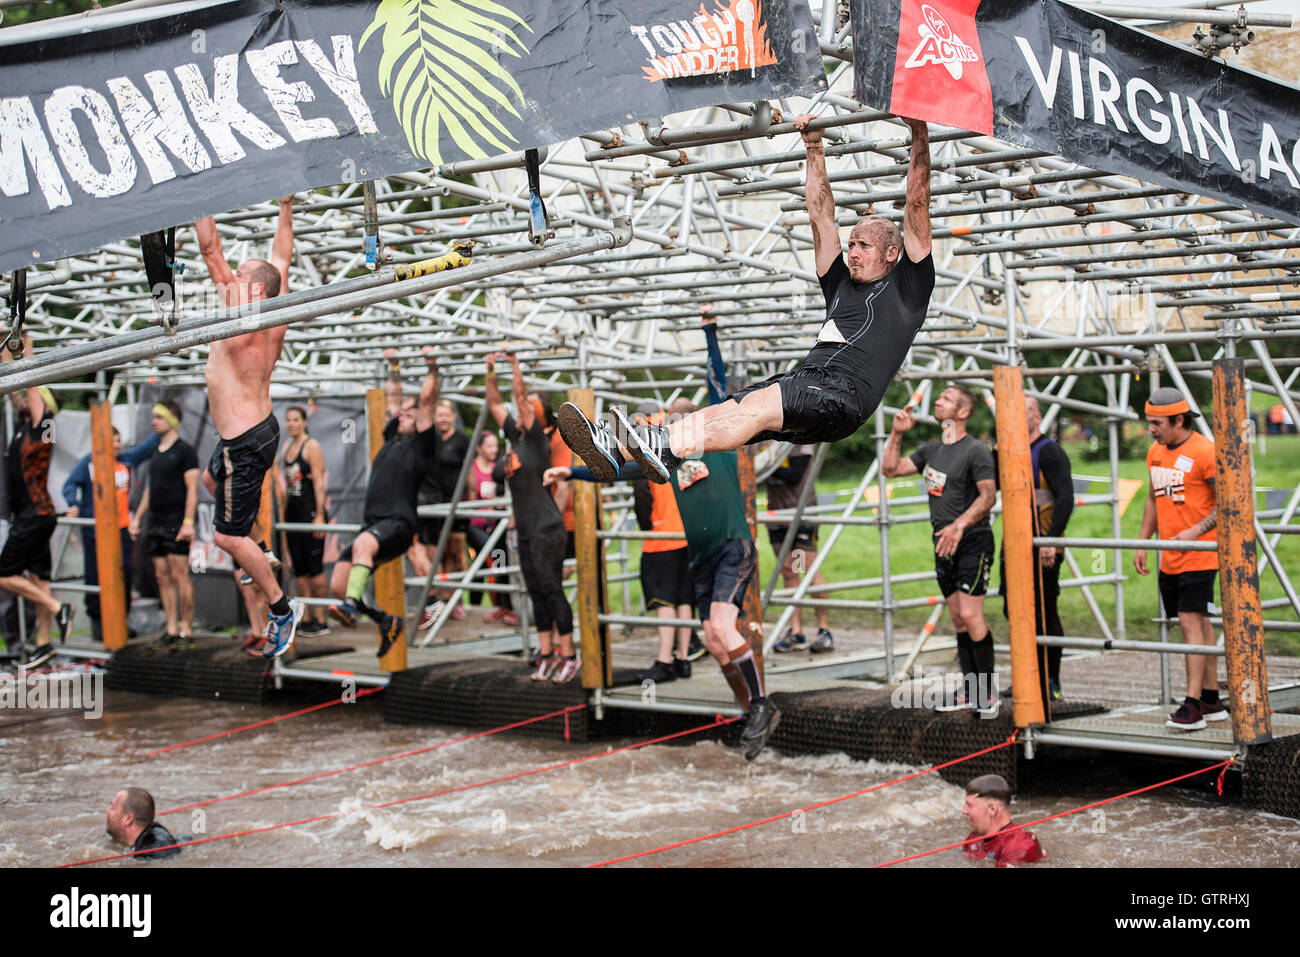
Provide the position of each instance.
(876, 301)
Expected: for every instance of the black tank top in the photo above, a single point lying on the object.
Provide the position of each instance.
(300, 505)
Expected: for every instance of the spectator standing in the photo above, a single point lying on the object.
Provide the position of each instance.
(538, 522)
(960, 480)
(302, 489)
(79, 493)
(784, 489)
(1053, 506)
(439, 487)
(665, 566)
(170, 501)
(483, 485)
(1180, 506)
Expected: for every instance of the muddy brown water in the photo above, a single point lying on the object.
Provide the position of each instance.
(60, 771)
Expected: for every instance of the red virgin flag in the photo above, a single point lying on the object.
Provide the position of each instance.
(939, 72)
(1047, 75)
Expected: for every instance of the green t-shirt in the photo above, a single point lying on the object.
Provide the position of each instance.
(709, 500)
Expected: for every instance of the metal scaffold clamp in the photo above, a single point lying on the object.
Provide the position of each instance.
(538, 231)
(159, 253)
(17, 312)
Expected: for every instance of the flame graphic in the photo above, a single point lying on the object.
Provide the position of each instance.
(742, 20)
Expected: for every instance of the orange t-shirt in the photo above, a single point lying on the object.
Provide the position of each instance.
(664, 517)
(1180, 479)
(562, 457)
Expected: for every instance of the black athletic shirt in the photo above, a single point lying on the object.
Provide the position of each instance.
(300, 504)
(870, 326)
(528, 458)
(440, 483)
(396, 473)
(167, 482)
(951, 473)
(28, 464)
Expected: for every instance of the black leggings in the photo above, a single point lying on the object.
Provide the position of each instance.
(541, 559)
(477, 536)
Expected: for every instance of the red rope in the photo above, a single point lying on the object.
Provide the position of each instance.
(419, 797)
(372, 763)
(257, 724)
(812, 807)
(1051, 817)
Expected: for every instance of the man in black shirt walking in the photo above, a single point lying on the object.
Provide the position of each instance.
(876, 301)
(410, 445)
(962, 485)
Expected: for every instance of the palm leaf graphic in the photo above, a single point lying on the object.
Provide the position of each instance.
(439, 69)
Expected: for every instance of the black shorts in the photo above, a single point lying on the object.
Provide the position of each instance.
(161, 539)
(666, 579)
(27, 549)
(238, 467)
(1187, 591)
(805, 537)
(724, 576)
(816, 406)
(571, 547)
(967, 570)
(394, 537)
(306, 554)
(431, 528)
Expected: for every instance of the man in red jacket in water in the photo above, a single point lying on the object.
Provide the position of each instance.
(993, 836)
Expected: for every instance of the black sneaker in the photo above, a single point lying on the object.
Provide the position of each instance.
(390, 629)
(1188, 717)
(597, 447)
(761, 721)
(64, 622)
(659, 672)
(40, 654)
(167, 641)
(695, 650)
(310, 629)
(682, 667)
(648, 446)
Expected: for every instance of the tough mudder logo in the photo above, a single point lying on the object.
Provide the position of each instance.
(732, 37)
(940, 45)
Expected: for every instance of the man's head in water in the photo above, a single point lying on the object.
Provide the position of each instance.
(130, 814)
(874, 247)
(988, 804)
(256, 280)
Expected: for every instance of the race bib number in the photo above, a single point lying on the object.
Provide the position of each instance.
(690, 472)
(934, 480)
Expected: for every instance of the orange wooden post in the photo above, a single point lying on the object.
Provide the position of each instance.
(750, 620)
(1015, 473)
(390, 589)
(1234, 493)
(597, 667)
(108, 541)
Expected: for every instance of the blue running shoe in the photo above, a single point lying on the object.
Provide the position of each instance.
(281, 629)
(792, 641)
(648, 446)
(597, 447)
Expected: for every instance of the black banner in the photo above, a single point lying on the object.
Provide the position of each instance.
(123, 131)
(1043, 74)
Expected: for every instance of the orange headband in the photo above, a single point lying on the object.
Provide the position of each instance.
(1172, 408)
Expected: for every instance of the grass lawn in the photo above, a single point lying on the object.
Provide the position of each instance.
(857, 554)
